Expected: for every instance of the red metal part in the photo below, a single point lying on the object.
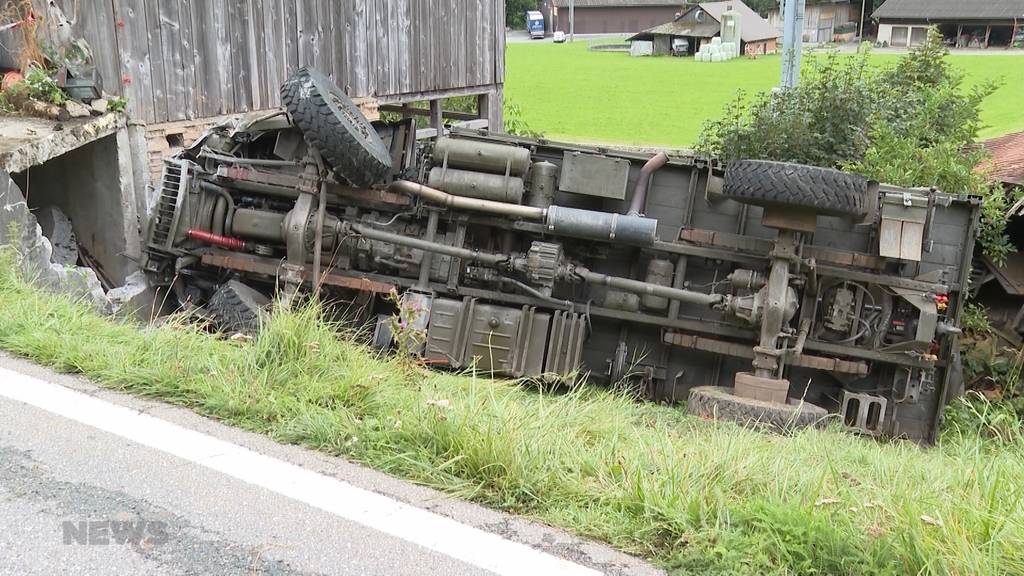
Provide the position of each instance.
(217, 240)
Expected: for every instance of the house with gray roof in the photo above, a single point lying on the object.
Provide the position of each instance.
(963, 23)
(699, 23)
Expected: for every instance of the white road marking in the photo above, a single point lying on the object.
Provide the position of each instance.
(465, 543)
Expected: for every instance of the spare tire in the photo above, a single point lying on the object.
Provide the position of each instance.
(719, 403)
(333, 124)
(825, 191)
(238, 308)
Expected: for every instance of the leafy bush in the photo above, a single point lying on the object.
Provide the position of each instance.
(41, 86)
(912, 124)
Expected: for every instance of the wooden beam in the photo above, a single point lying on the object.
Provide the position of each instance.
(436, 119)
(406, 111)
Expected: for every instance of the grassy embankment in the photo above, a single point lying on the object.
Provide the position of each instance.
(571, 93)
(700, 497)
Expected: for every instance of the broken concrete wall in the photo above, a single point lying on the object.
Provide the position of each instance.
(80, 170)
(92, 188)
(19, 229)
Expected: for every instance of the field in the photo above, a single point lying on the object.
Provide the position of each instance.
(568, 92)
(698, 497)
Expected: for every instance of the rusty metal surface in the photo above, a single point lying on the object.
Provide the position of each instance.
(271, 267)
(746, 351)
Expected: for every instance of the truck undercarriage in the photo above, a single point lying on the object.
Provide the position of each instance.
(758, 291)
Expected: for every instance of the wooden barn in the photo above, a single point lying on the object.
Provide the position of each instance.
(184, 63)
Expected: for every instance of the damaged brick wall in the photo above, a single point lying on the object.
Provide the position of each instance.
(168, 138)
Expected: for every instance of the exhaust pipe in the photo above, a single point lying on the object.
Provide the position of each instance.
(636, 205)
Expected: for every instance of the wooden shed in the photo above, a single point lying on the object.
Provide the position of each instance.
(182, 63)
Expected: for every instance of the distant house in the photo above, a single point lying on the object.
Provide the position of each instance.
(821, 19)
(699, 23)
(611, 16)
(964, 23)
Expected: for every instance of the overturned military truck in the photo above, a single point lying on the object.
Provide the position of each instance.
(763, 291)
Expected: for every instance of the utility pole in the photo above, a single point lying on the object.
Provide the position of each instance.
(572, 20)
(863, 10)
(792, 42)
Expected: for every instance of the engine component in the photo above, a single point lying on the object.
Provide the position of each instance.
(481, 156)
(746, 279)
(260, 225)
(543, 184)
(620, 300)
(462, 203)
(658, 272)
(592, 225)
(216, 239)
(572, 273)
(839, 314)
(477, 185)
(542, 263)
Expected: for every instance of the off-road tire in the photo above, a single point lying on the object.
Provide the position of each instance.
(237, 308)
(719, 403)
(333, 124)
(825, 191)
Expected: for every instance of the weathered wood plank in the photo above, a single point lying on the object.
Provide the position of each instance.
(384, 61)
(133, 40)
(486, 42)
(324, 60)
(258, 32)
(188, 58)
(274, 45)
(156, 58)
(209, 100)
(291, 35)
(95, 23)
(403, 17)
(241, 55)
(307, 20)
(225, 75)
(339, 32)
(499, 42)
(358, 43)
(168, 21)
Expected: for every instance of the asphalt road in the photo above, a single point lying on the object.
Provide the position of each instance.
(94, 482)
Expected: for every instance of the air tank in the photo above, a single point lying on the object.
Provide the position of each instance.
(477, 185)
(543, 181)
(481, 156)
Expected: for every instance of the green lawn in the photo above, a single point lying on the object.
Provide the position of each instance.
(698, 497)
(570, 93)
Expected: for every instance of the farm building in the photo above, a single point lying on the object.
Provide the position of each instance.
(185, 66)
(699, 23)
(823, 19)
(611, 16)
(964, 23)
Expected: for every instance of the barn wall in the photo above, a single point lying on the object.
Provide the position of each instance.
(184, 59)
(616, 19)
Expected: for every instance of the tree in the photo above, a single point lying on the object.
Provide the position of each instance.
(515, 12)
(912, 124)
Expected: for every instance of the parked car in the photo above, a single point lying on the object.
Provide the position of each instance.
(559, 37)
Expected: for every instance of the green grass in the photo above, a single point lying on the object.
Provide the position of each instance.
(699, 497)
(570, 93)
